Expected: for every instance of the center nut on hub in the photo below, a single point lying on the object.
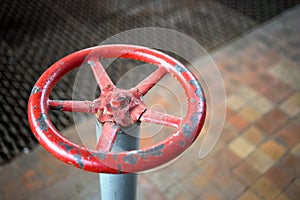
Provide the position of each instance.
(120, 106)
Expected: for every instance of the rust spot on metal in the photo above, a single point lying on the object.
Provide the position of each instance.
(180, 69)
(35, 89)
(131, 158)
(42, 121)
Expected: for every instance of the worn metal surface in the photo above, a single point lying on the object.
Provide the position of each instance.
(120, 186)
(33, 34)
(116, 108)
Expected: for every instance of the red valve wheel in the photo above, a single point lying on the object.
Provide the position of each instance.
(116, 108)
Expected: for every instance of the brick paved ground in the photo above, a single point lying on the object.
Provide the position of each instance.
(257, 156)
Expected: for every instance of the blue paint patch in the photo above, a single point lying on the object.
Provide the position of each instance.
(34, 90)
(131, 159)
(180, 69)
(100, 155)
(115, 156)
(78, 159)
(42, 121)
(157, 151)
(182, 143)
(62, 62)
(91, 63)
(199, 90)
(119, 167)
(66, 146)
(187, 130)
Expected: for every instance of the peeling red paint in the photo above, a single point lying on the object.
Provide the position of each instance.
(114, 108)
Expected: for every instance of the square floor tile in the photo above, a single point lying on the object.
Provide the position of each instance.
(255, 135)
(262, 104)
(288, 72)
(289, 135)
(291, 163)
(276, 92)
(246, 92)
(291, 106)
(279, 176)
(249, 195)
(241, 146)
(293, 190)
(273, 120)
(266, 188)
(296, 150)
(230, 186)
(238, 122)
(235, 102)
(260, 161)
(273, 149)
(250, 113)
(246, 172)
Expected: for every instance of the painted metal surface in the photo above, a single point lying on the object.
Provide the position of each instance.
(120, 186)
(116, 108)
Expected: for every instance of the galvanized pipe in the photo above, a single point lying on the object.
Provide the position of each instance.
(120, 186)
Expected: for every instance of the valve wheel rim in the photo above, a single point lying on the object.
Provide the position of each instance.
(116, 162)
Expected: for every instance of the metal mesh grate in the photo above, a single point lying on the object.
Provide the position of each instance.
(34, 34)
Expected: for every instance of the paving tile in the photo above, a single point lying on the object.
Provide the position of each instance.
(241, 147)
(293, 190)
(249, 195)
(181, 191)
(246, 92)
(272, 121)
(266, 189)
(246, 172)
(279, 176)
(262, 82)
(212, 193)
(219, 164)
(291, 106)
(296, 150)
(235, 102)
(260, 161)
(289, 135)
(262, 104)
(230, 187)
(254, 134)
(250, 113)
(228, 133)
(277, 92)
(291, 163)
(288, 72)
(148, 189)
(273, 149)
(238, 122)
(283, 196)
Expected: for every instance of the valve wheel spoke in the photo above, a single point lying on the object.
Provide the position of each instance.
(144, 86)
(108, 136)
(157, 117)
(102, 78)
(72, 106)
